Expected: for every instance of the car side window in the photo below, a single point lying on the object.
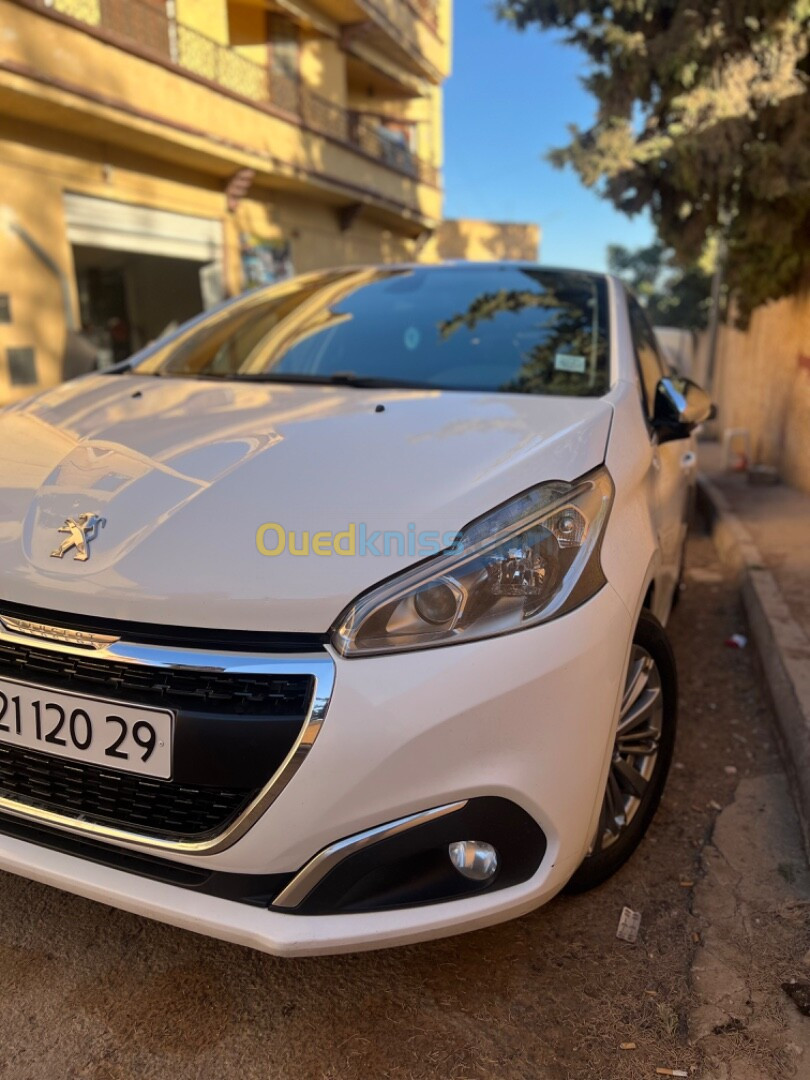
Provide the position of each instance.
(650, 365)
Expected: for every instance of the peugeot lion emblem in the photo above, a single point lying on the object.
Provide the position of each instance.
(80, 535)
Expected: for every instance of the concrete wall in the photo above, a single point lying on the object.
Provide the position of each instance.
(762, 383)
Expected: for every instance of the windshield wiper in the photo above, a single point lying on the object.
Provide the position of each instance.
(374, 382)
(338, 378)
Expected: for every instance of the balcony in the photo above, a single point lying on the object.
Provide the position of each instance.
(146, 30)
(407, 31)
(429, 10)
(426, 10)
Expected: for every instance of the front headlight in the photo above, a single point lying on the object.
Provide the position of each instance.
(528, 561)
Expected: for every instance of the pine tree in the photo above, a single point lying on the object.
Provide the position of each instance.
(703, 117)
(673, 295)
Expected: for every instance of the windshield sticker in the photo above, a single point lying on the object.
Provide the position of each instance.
(568, 362)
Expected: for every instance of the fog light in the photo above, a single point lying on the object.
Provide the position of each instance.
(474, 859)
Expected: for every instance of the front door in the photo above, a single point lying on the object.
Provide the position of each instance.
(674, 465)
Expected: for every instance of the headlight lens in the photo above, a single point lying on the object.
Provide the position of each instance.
(526, 562)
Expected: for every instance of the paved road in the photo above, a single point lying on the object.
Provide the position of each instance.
(94, 993)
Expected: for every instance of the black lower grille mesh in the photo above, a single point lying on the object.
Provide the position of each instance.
(153, 807)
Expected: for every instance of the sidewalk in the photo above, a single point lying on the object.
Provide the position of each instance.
(764, 532)
(778, 520)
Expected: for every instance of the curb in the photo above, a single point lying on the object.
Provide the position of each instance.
(782, 644)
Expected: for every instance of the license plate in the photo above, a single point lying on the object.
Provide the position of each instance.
(91, 730)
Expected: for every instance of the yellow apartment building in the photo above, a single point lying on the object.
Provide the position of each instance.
(157, 156)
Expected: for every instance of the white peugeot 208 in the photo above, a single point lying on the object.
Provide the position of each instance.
(334, 620)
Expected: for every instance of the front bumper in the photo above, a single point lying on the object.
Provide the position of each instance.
(528, 718)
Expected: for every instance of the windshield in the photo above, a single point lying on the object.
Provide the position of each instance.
(508, 329)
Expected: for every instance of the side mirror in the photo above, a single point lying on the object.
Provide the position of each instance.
(680, 405)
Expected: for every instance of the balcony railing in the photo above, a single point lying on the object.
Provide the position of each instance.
(427, 10)
(146, 26)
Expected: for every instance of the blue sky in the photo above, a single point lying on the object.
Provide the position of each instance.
(508, 101)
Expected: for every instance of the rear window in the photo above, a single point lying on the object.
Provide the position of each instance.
(507, 329)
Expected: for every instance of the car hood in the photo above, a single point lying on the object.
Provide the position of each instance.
(184, 473)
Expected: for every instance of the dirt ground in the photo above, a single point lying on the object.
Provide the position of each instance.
(87, 992)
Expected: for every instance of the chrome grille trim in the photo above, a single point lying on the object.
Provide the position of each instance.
(319, 665)
(313, 873)
(27, 628)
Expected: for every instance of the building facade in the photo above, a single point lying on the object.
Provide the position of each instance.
(159, 155)
(482, 241)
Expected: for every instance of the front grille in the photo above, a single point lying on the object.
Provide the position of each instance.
(170, 688)
(87, 792)
(265, 642)
(232, 732)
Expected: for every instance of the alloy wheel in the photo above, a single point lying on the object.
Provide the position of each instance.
(635, 751)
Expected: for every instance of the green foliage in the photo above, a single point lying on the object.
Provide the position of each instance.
(703, 117)
(673, 295)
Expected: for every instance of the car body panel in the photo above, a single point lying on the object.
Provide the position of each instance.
(184, 472)
(653, 483)
(532, 729)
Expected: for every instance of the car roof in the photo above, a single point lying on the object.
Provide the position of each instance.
(481, 264)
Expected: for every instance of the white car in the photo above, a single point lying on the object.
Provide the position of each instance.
(335, 620)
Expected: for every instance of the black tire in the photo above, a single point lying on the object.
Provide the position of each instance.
(605, 861)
